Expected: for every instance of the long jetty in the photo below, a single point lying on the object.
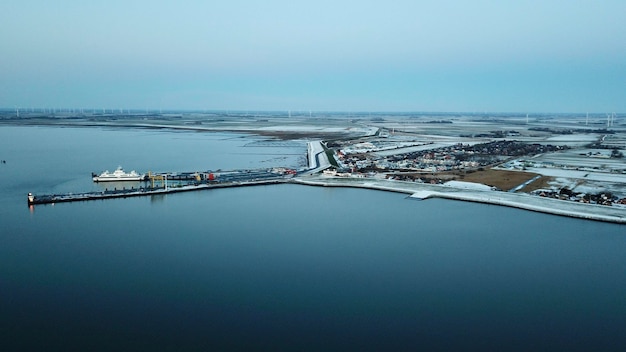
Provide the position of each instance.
(195, 181)
(138, 192)
(231, 179)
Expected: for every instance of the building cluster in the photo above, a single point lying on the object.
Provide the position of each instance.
(513, 148)
(455, 157)
(601, 198)
(493, 134)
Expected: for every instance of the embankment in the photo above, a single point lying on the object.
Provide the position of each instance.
(516, 200)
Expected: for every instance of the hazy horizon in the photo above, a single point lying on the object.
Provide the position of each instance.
(405, 56)
(87, 111)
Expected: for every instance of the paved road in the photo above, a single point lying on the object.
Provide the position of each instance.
(515, 189)
(318, 160)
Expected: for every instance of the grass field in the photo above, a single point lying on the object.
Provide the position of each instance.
(503, 179)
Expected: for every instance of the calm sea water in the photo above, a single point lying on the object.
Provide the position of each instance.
(283, 267)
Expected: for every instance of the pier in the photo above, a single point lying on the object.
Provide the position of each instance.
(160, 185)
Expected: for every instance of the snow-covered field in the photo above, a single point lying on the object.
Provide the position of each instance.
(468, 186)
(580, 173)
(384, 153)
(572, 139)
(312, 128)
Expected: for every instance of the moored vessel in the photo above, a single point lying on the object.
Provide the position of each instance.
(118, 175)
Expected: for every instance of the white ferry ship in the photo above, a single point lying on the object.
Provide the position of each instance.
(118, 175)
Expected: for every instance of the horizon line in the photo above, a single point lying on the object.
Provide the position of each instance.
(121, 111)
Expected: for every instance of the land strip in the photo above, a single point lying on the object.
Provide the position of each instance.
(615, 214)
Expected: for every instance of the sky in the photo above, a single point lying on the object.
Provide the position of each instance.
(322, 55)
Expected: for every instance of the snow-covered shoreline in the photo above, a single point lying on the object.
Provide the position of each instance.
(515, 200)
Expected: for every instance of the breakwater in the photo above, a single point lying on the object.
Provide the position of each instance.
(613, 214)
(139, 192)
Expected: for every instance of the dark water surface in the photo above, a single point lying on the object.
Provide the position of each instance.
(283, 267)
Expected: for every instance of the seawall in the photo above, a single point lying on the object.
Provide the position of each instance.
(515, 200)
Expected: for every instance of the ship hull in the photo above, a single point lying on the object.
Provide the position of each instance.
(118, 176)
(118, 179)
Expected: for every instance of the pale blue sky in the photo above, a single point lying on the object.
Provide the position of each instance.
(513, 56)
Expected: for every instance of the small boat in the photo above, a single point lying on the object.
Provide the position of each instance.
(118, 175)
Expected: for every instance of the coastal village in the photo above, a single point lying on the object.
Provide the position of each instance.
(362, 157)
(574, 159)
(591, 170)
